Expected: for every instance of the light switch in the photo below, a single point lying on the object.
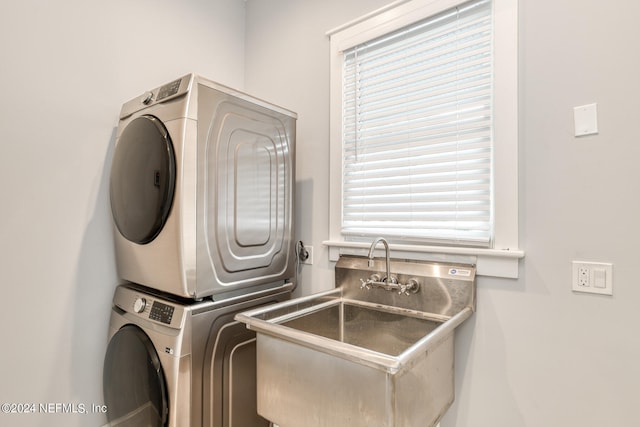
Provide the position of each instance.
(585, 119)
(599, 277)
(593, 277)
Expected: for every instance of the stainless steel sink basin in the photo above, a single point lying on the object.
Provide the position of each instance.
(384, 331)
(362, 357)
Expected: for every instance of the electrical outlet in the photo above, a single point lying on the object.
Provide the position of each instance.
(309, 258)
(583, 276)
(593, 277)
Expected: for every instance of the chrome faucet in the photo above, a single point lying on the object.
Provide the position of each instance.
(388, 277)
(389, 282)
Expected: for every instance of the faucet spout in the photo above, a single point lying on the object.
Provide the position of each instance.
(389, 282)
(388, 277)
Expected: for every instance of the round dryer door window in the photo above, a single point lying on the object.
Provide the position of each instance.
(133, 381)
(142, 179)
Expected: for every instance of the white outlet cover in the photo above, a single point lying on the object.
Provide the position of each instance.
(585, 118)
(309, 259)
(598, 280)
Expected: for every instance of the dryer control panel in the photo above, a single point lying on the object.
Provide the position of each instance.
(150, 307)
(160, 94)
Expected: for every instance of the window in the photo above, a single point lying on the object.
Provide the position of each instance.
(424, 130)
(416, 138)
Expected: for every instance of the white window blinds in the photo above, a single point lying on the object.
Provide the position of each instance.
(417, 131)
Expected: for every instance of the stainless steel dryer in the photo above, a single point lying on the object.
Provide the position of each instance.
(180, 363)
(201, 187)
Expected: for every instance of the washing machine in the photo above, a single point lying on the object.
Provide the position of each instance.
(201, 188)
(181, 363)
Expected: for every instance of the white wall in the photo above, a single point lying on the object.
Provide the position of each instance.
(67, 67)
(535, 354)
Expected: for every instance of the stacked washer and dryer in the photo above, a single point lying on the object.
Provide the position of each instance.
(201, 188)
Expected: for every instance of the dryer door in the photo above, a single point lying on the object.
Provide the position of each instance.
(142, 179)
(134, 386)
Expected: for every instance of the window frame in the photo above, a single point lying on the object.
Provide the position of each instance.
(501, 260)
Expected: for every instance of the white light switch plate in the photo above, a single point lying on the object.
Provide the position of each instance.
(585, 119)
(593, 277)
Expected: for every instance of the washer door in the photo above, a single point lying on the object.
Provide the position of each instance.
(142, 179)
(133, 382)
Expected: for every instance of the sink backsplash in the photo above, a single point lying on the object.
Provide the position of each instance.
(444, 288)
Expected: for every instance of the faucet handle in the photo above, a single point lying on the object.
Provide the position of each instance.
(366, 284)
(412, 286)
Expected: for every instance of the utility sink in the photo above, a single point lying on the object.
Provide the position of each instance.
(355, 356)
(371, 328)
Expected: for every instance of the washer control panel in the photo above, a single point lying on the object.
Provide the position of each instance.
(161, 312)
(147, 306)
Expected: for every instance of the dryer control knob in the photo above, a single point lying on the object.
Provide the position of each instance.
(139, 305)
(147, 98)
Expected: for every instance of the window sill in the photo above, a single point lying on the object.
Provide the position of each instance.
(489, 262)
